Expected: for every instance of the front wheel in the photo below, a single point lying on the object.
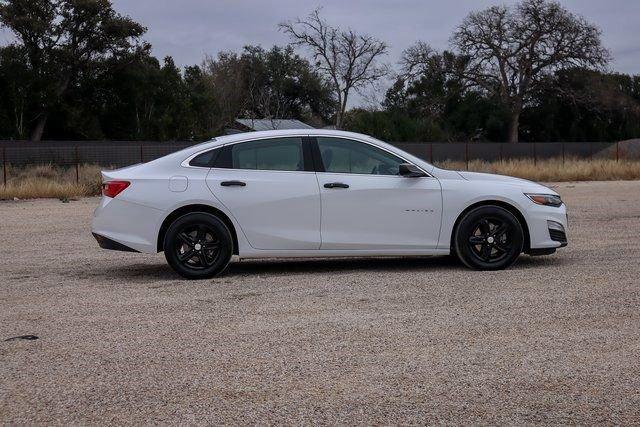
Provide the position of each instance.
(489, 238)
(198, 246)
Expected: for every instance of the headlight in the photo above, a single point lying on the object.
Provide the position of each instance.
(545, 199)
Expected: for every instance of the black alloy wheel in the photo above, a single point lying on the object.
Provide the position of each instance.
(489, 238)
(198, 246)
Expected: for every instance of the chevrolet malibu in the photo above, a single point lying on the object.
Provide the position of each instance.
(319, 193)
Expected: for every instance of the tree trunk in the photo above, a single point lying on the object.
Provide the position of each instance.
(339, 112)
(38, 130)
(342, 107)
(514, 125)
(19, 120)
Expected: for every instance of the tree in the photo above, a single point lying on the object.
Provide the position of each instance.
(282, 85)
(61, 40)
(511, 50)
(259, 83)
(15, 92)
(224, 80)
(435, 99)
(432, 79)
(202, 103)
(584, 105)
(348, 59)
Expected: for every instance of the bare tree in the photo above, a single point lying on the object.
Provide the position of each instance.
(348, 59)
(510, 50)
(430, 79)
(415, 60)
(223, 81)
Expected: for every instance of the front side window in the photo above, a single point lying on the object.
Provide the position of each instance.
(347, 156)
(281, 154)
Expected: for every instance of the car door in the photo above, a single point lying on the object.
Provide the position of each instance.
(270, 187)
(367, 205)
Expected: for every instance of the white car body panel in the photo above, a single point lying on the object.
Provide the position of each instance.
(380, 212)
(291, 214)
(276, 209)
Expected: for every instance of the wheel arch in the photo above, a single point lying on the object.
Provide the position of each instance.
(509, 207)
(183, 210)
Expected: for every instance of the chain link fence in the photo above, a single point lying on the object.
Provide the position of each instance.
(73, 155)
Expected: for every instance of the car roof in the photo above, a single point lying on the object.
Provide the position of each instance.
(236, 137)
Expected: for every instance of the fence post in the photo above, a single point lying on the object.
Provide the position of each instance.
(466, 154)
(141, 156)
(535, 155)
(617, 151)
(431, 153)
(77, 166)
(500, 152)
(4, 165)
(562, 153)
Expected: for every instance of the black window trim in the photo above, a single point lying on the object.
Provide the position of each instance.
(224, 152)
(311, 156)
(319, 165)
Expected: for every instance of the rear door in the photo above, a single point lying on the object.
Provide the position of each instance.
(367, 205)
(270, 187)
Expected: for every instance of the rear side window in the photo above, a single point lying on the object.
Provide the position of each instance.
(278, 154)
(205, 160)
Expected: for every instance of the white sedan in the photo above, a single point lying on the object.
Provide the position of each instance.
(319, 193)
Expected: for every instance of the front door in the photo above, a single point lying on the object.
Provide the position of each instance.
(271, 191)
(367, 205)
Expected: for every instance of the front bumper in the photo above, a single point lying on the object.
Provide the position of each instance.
(557, 232)
(547, 228)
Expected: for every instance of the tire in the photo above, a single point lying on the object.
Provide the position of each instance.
(198, 246)
(488, 238)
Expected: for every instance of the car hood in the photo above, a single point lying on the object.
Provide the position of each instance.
(528, 186)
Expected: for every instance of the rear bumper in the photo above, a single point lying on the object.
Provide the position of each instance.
(120, 223)
(106, 243)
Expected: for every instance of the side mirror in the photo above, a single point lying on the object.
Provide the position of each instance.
(410, 171)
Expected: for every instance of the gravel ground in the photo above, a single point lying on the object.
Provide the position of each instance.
(123, 340)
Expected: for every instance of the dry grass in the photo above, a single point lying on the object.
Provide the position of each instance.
(555, 169)
(49, 181)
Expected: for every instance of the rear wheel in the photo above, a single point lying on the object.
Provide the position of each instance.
(489, 238)
(198, 246)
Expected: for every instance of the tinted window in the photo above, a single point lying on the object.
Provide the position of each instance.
(204, 160)
(347, 156)
(283, 154)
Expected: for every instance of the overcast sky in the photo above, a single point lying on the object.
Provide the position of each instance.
(189, 29)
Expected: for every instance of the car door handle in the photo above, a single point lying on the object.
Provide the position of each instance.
(233, 184)
(336, 185)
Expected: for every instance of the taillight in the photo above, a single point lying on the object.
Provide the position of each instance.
(113, 188)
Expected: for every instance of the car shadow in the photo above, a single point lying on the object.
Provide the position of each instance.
(331, 265)
(328, 265)
(287, 266)
(145, 273)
